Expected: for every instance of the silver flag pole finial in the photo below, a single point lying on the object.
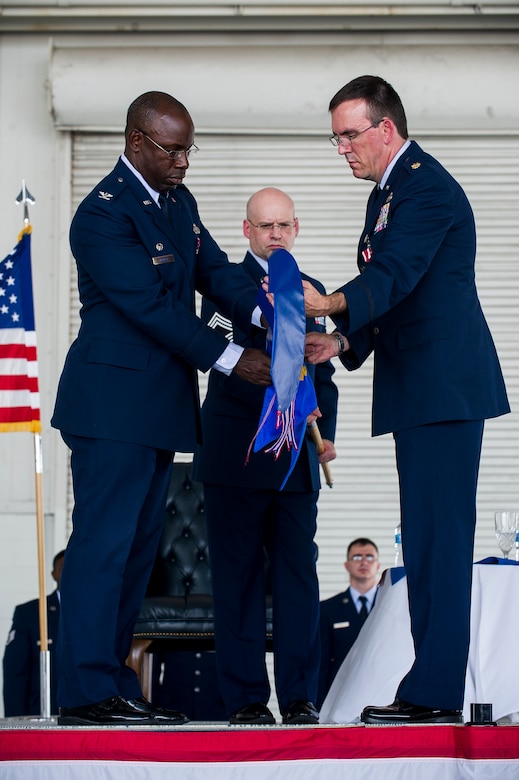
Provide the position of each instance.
(26, 198)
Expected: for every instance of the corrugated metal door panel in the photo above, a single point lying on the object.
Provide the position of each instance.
(330, 205)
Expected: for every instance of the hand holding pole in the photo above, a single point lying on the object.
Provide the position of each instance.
(318, 441)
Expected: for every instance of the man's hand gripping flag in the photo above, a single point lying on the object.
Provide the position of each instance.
(291, 397)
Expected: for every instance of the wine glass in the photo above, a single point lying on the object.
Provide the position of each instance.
(506, 529)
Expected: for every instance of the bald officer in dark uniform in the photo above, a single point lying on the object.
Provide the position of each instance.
(246, 512)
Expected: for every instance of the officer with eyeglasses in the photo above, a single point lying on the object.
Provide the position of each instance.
(246, 510)
(414, 304)
(343, 615)
(128, 397)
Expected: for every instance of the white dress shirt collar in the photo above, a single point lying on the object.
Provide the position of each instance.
(154, 194)
(392, 164)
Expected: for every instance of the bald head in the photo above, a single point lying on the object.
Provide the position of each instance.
(271, 222)
(269, 199)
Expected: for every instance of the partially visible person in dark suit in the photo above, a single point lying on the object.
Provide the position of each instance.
(343, 615)
(246, 511)
(190, 679)
(128, 397)
(22, 654)
(437, 376)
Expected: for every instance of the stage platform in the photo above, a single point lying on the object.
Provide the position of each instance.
(38, 749)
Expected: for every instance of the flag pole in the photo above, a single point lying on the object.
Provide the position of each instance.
(26, 198)
(315, 433)
(42, 598)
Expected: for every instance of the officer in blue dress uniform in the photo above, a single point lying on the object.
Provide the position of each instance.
(437, 377)
(247, 512)
(22, 656)
(128, 397)
(343, 615)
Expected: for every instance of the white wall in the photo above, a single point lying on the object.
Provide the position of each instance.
(282, 81)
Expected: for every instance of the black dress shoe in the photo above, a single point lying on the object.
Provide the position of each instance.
(115, 711)
(401, 712)
(256, 714)
(300, 712)
(159, 714)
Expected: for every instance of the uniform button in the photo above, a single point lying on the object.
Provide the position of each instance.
(197, 672)
(198, 655)
(196, 690)
(376, 331)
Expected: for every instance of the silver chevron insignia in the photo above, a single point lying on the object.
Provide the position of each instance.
(222, 324)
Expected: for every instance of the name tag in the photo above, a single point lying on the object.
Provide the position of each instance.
(345, 624)
(161, 259)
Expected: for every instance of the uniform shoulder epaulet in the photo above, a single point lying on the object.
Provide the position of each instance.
(108, 189)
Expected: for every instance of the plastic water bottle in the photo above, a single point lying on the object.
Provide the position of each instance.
(398, 545)
(517, 546)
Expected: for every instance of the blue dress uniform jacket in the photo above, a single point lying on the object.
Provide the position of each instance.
(436, 379)
(340, 624)
(415, 303)
(245, 512)
(131, 373)
(22, 658)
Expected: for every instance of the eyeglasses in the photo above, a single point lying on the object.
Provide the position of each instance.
(358, 557)
(350, 138)
(173, 154)
(271, 225)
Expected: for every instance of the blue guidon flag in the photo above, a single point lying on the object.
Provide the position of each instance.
(291, 397)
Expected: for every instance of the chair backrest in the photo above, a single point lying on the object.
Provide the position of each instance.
(182, 563)
(177, 613)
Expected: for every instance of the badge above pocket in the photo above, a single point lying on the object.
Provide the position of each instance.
(161, 259)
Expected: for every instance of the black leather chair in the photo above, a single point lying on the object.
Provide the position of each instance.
(177, 613)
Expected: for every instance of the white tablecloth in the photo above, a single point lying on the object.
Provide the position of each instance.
(383, 652)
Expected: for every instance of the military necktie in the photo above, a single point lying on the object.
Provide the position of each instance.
(165, 207)
(363, 612)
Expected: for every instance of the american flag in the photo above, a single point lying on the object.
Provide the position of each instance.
(19, 393)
